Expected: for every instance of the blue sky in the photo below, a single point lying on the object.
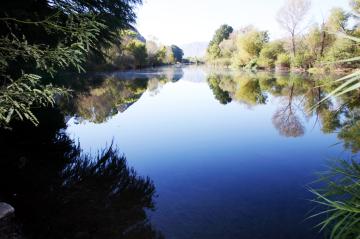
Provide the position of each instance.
(185, 21)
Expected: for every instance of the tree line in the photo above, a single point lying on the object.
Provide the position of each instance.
(135, 52)
(330, 41)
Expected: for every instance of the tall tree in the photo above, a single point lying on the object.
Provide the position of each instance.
(291, 16)
(221, 34)
(177, 52)
(337, 20)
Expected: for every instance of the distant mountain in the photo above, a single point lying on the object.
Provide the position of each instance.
(194, 49)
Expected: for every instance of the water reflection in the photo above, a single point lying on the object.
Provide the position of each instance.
(216, 144)
(286, 120)
(115, 93)
(60, 193)
(106, 95)
(297, 94)
(338, 195)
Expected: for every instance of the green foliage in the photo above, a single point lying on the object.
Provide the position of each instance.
(302, 60)
(269, 54)
(350, 134)
(138, 50)
(160, 56)
(351, 82)
(18, 97)
(222, 62)
(317, 41)
(340, 196)
(337, 20)
(79, 33)
(252, 42)
(221, 34)
(114, 14)
(343, 48)
(330, 121)
(250, 48)
(228, 47)
(283, 60)
(20, 91)
(40, 38)
(240, 58)
(242, 48)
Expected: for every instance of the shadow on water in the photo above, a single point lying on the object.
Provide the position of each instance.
(59, 193)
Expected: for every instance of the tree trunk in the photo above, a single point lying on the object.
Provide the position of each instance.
(323, 36)
(293, 44)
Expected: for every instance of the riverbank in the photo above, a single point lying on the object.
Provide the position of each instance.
(284, 69)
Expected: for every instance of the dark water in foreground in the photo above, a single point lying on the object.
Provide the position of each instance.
(230, 154)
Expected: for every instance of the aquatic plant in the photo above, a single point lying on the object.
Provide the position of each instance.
(340, 199)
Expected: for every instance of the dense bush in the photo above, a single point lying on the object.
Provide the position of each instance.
(302, 60)
(269, 54)
(342, 48)
(283, 60)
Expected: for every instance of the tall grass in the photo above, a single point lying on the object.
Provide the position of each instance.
(340, 199)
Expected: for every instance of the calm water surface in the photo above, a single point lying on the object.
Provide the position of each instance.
(230, 154)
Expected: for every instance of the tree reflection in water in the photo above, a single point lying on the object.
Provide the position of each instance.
(106, 95)
(59, 193)
(298, 94)
(285, 119)
(339, 190)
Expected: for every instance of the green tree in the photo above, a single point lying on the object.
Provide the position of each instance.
(269, 53)
(341, 49)
(138, 50)
(221, 34)
(253, 41)
(313, 41)
(337, 20)
(177, 52)
(249, 44)
(283, 60)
